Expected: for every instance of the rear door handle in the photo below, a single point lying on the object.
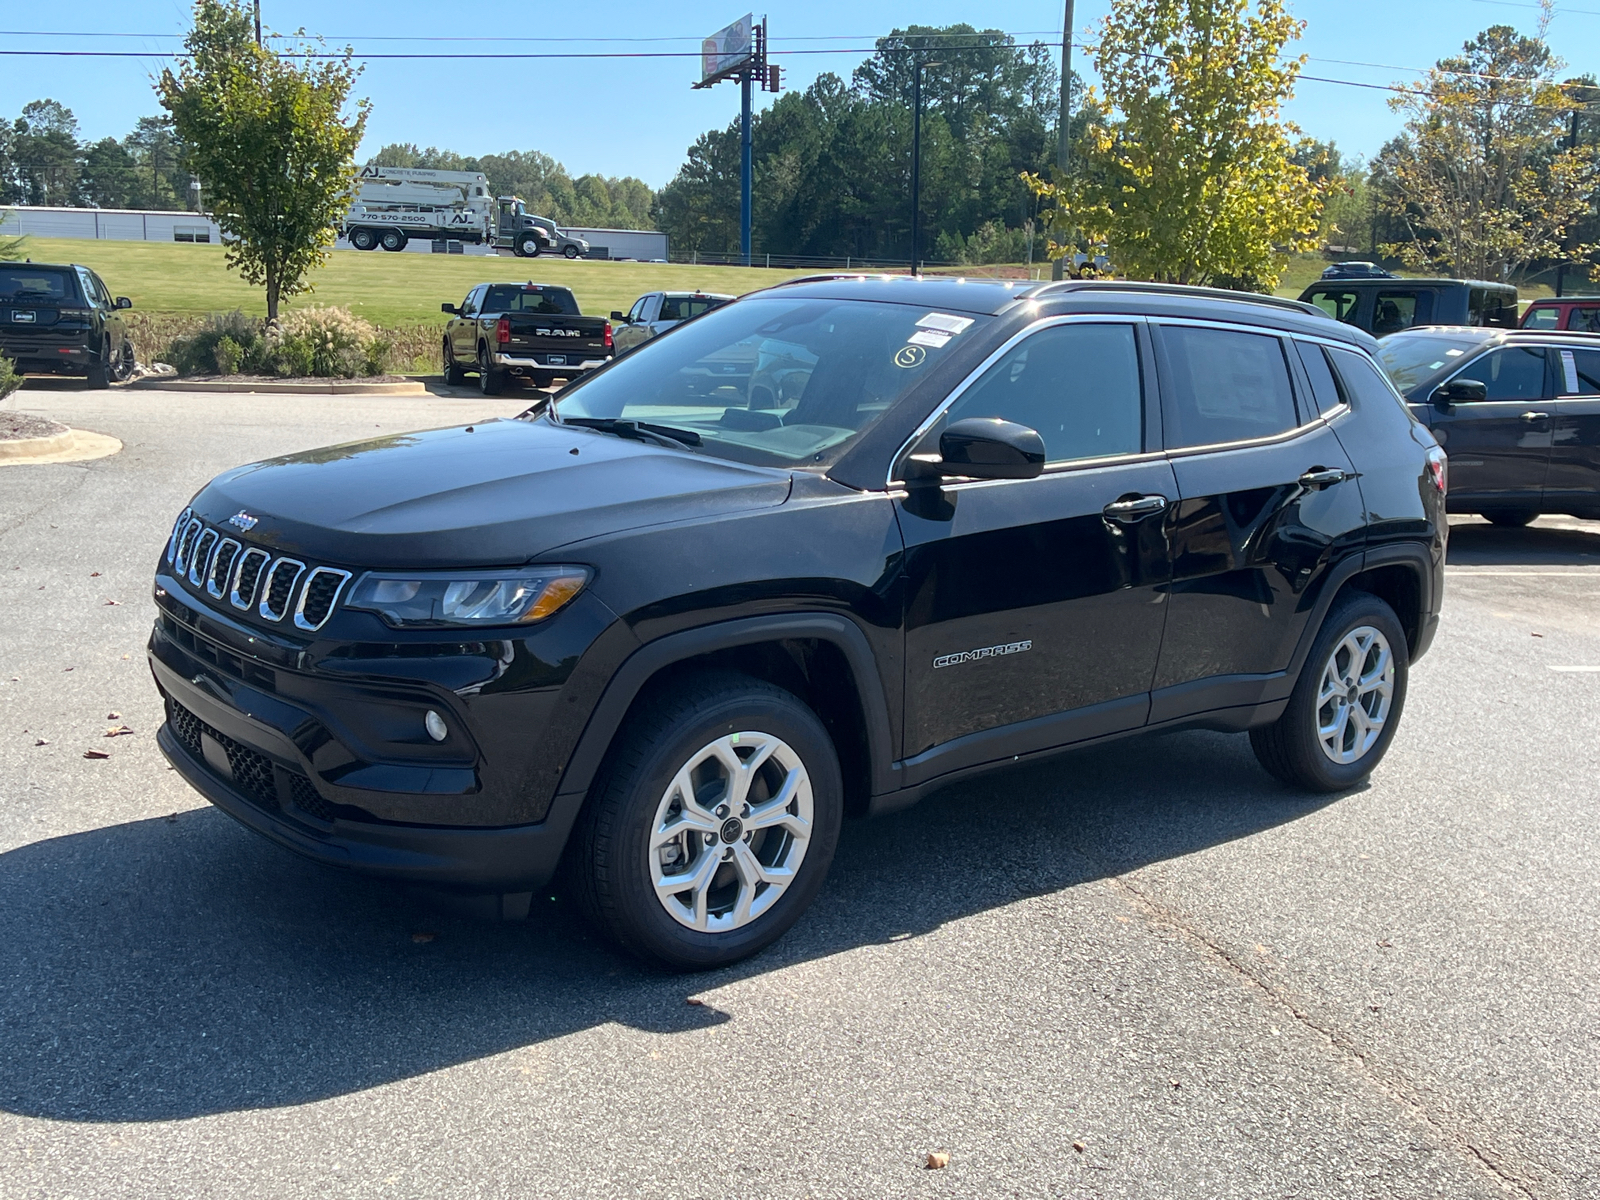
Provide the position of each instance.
(1321, 477)
(1535, 416)
(1135, 508)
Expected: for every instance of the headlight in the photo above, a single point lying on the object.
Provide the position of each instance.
(517, 597)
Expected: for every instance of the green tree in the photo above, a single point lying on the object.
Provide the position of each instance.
(110, 177)
(1188, 169)
(44, 149)
(1480, 180)
(160, 181)
(270, 139)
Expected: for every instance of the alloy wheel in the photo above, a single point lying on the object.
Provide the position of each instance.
(730, 832)
(1354, 695)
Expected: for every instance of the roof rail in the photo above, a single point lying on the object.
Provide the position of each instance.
(1064, 286)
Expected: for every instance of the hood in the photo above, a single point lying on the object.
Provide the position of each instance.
(495, 494)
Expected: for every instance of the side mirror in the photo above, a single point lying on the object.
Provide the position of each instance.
(1460, 391)
(123, 302)
(449, 308)
(617, 316)
(981, 448)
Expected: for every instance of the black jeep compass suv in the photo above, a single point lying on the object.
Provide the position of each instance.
(813, 553)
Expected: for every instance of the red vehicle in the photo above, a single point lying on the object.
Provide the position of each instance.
(1581, 313)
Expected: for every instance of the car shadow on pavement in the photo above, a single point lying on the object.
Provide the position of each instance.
(1561, 542)
(183, 966)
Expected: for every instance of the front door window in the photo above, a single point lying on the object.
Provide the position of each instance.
(1396, 310)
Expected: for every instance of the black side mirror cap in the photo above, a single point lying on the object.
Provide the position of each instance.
(981, 448)
(1460, 391)
(123, 302)
(448, 308)
(617, 316)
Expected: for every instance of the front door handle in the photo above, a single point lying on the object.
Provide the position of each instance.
(1535, 416)
(1321, 477)
(1135, 508)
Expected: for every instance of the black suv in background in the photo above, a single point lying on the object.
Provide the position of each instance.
(1386, 306)
(1517, 410)
(60, 319)
(668, 631)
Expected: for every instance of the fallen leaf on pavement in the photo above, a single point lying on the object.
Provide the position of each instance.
(1078, 1146)
(694, 1000)
(42, 742)
(938, 1160)
(94, 574)
(1538, 635)
(118, 731)
(95, 754)
(112, 603)
(113, 716)
(423, 936)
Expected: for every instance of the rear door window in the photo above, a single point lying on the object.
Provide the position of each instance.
(1220, 385)
(1582, 371)
(1510, 373)
(1393, 311)
(1492, 306)
(1075, 385)
(1543, 316)
(670, 309)
(1584, 320)
(1338, 303)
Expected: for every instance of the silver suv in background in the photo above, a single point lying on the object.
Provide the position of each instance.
(657, 312)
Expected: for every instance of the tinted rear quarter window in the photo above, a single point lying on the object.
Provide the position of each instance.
(1584, 320)
(1368, 392)
(1324, 389)
(1220, 385)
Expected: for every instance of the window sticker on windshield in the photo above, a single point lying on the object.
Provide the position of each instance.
(1453, 353)
(1436, 366)
(944, 321)
(929, 337)
(909, 356)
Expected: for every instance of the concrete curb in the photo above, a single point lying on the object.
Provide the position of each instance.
(75, 445)
(331, 388)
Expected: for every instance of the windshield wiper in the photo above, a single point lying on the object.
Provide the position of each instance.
(666, 435)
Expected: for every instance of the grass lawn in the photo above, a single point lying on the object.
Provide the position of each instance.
(388, 289)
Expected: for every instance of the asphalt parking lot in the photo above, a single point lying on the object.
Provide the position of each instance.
(1145, 970)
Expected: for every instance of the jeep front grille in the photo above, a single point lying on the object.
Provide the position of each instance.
(250, 578)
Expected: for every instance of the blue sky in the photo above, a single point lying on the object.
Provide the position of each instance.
(638, 116)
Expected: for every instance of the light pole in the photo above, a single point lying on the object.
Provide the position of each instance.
(916, 164)
(1064, 137)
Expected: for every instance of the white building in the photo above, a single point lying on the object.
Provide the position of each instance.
(645, 245)
(108, 224)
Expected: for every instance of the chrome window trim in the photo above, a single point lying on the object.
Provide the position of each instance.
(266, 589)
(179, 562)
(960, 483)
(177, 532)
(921, 431)
(196, 573)
(299, 609)
(212, 589)
(244, 602)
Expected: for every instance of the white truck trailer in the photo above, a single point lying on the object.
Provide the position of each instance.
(392, 205)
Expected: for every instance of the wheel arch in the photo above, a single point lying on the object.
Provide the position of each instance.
(1401, 575)
(824, 658)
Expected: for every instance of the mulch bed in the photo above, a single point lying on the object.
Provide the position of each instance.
(14, 426)
(289, 379)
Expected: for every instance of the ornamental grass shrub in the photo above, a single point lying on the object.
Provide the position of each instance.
(314, 342)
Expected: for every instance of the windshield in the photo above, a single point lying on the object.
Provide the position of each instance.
(530, 298)
(37, 285)
(1415, 359)
(784, 382)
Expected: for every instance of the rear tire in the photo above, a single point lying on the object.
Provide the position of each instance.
(99, 376)
(571, 252)
(1347, 703)
(1511, 518)
(453, 374)
(393, 240)
(490, 381)
(751, 864)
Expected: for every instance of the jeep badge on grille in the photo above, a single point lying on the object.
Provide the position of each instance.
(243, 521)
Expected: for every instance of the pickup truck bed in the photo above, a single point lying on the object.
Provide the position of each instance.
(530, 331)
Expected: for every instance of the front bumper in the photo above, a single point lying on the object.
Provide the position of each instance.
(519, 858)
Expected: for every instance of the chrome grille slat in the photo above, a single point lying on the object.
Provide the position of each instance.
(180, 561)
(220, 572)
(316, 604)
(177, 532)
(275, 586)
(200, 555)
(251, 563)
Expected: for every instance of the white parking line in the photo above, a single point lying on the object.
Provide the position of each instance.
(1578, 670)
(1570, 572)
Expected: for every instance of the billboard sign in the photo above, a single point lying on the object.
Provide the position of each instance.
(727, 51)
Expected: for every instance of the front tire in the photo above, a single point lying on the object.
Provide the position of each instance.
(528, 246)
(1511, 518)
(453, 374)
(714, 825)
(125, 364)
(1346, 705)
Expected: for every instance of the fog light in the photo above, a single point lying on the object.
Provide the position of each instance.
(434, 724)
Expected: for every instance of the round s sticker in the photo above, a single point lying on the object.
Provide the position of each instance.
(909, 356)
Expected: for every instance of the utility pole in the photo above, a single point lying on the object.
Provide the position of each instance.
(257, 6)
(1572, 144)
(916, 164)
(1064, 137)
